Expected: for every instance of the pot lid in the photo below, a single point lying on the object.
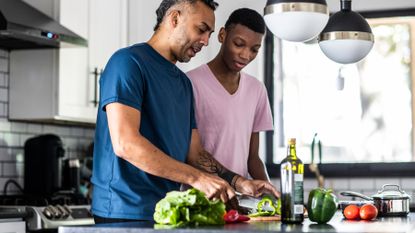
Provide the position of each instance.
(391, 191)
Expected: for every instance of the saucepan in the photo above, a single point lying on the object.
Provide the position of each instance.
(390, 200)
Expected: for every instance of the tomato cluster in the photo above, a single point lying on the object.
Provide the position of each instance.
(366, 212)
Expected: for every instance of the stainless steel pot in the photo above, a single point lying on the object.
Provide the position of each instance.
(389, 202)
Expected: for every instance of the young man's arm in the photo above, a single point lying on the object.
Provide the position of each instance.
(200, 158)
(256, 167)
(130, 145)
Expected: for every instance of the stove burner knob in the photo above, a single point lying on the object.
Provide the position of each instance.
(67, 209)
(47, 212)
(56, 213)
(64, 212)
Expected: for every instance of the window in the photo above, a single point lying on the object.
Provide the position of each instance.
(362, 113)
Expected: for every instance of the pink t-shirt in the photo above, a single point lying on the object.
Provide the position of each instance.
(226, 122)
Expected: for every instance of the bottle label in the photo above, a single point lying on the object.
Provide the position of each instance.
(298, 209)
(298, 191)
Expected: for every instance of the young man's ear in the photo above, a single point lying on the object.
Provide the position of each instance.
(221, 35)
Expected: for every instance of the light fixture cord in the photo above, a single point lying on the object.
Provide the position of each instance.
(346, 5)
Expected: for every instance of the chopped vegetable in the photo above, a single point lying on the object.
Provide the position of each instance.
(190, 207)
(267, 201)
(232, 216)
(322, 204)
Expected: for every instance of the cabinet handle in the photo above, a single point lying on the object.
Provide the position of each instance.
(96, 74)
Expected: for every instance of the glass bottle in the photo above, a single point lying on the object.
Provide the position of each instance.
(292, 191)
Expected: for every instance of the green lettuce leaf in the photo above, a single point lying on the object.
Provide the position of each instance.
(190, 207)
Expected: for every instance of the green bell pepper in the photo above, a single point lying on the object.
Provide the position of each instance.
(267, 201)
(321, 206)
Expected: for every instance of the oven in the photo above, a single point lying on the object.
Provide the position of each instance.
(45, 214)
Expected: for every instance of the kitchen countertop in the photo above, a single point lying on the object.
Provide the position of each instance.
(337, 224)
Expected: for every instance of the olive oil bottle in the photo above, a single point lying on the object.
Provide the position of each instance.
(292, 191)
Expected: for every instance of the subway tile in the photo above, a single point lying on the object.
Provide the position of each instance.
(3, 112)
(4, 97)
(63, 131)
(70, 143)
(362, 184)
(50, 129)
(310, 184)
(9, 169)
(76, 131)
(7, 155)
(89, 133)
(408, 184)
(4, 64)
(4, 54)
(337, 184)
(19, 169)
(6, 109)
(3, 153)
(11, 139)
(5, 125)
(24, 138)
(6, 80)
(34, 128)
(18, 127)
(3, 82)
(381, 181)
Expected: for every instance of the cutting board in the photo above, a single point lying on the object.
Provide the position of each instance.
(265, 218)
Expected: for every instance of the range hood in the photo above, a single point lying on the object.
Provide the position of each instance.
(24, 27)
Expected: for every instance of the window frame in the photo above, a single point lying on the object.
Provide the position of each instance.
(337, 170)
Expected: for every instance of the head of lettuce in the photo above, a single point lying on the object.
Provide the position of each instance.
(190, 207)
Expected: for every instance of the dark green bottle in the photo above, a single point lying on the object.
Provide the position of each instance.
(292, 191)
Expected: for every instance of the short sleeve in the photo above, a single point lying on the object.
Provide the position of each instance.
(122, 81)
(263, 115)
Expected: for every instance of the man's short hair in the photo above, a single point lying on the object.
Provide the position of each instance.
(165, 5)
(248, 18)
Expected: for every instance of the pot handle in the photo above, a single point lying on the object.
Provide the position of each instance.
(391, 185)
(355, 194)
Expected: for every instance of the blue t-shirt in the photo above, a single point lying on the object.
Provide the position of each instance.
(138, 76)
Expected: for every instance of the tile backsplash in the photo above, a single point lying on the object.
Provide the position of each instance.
(14, 134)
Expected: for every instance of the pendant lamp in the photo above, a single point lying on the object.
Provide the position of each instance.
(296, 20)
(347, 37)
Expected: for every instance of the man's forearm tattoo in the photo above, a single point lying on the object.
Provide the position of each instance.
(207, 163)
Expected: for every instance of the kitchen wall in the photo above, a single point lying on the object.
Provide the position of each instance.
(76, 139)
(14, 134)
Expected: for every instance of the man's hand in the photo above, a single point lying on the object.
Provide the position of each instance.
(214, 187)
(255, 188)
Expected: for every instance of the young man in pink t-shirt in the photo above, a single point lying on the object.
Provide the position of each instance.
(231, 106)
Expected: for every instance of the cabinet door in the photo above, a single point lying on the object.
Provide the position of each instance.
(74, 85)
(107, 34)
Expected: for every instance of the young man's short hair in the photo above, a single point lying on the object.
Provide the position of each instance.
(248, 18)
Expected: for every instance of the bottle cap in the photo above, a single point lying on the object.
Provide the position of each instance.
(291, 141)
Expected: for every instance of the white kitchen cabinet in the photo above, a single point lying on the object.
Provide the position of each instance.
(58, 85)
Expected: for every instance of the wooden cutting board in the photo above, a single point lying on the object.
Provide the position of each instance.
(265, 218)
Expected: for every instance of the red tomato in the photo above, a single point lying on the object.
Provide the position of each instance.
(243, 218)
(351, 212)
(231, 216)
(368, 212)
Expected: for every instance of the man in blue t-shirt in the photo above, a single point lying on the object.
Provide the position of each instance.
(146, 141)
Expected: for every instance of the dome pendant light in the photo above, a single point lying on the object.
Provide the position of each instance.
(347, 37)
(296, 20)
